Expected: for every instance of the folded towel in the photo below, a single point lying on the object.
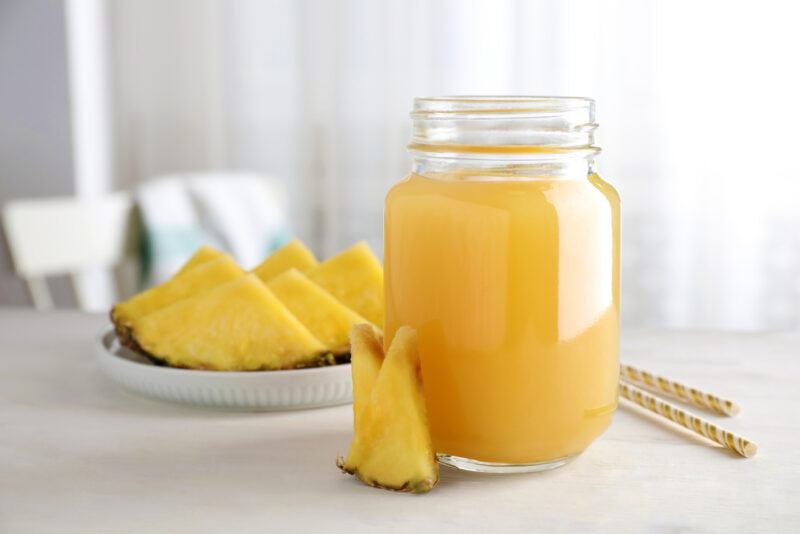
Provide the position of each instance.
(241, 213)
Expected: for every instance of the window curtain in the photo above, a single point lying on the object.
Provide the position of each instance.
(697, 120)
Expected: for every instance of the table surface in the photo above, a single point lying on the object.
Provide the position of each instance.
(79, 454)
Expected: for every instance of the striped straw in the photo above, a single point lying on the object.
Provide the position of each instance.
(688, 420)
(679, 391)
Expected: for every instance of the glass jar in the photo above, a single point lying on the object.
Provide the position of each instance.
(502, 250)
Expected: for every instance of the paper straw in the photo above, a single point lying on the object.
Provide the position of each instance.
(688, 420)
(676, 389)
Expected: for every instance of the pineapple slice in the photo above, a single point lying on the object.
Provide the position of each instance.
(293, 254)
(237, 326)
(366, 358)
(354, 276)
(201, 255)
(325, 317)
(391, 446)
(204, 276)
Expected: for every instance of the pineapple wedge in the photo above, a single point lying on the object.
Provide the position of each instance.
(237, 326)
(201, 255)
(355, 277)
(391, 446)
(326, 318)
(293, 254)
(204, 276)
(366, 359)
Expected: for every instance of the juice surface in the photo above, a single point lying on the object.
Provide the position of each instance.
(513, 287)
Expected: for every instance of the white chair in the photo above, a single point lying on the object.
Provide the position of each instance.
(73, 236)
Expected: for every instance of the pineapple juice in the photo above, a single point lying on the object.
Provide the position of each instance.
(513, 287)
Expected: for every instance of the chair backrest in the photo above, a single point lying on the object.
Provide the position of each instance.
(68, 235)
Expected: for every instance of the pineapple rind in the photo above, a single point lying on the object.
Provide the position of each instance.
(420, 486)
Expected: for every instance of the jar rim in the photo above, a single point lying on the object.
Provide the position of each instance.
(504, 124)
(495, 106)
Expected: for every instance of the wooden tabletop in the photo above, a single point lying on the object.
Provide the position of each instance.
(78, 454)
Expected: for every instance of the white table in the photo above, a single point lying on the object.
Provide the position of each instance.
(78, 454)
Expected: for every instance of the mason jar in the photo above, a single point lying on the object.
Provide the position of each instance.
(502, 250)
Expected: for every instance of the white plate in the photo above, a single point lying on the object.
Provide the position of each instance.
(251, 391)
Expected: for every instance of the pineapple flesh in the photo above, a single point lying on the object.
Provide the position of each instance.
(201, 255)
(292, 255)
(325, 317)
(391, 445)
(237, 326)
(204, 276)
(355, 277)
(366, 359)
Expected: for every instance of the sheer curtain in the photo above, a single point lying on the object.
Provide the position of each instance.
(697, 115)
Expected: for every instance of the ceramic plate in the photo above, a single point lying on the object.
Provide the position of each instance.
(248, 391)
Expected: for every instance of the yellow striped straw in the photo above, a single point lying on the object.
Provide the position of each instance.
(677, 390)
(688, 420)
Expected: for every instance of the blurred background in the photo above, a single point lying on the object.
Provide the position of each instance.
(697, 104)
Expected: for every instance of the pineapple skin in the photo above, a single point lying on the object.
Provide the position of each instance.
(391, 447)
(419, 487)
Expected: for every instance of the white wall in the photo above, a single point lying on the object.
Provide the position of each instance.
(35, 142)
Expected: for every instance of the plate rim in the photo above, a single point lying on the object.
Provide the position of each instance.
(108, 353)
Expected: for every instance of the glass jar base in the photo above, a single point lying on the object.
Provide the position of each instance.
(477, 466)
